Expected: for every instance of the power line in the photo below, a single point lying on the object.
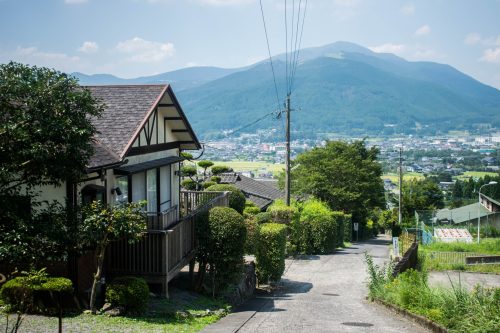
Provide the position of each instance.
(300, 43)
(270, 57)
(286, 46)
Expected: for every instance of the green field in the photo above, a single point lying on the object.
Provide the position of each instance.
(406, 176)
(476, 174)
(238, 166)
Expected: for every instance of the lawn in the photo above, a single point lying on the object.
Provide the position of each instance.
(238, 165)
(184, 312)
(406, 176)
(441, 256)
(476, 174)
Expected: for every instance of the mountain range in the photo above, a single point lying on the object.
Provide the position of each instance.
(341, 87)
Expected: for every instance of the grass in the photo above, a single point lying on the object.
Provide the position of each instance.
(476, 174)
(176, 315)
(406, 176)
(457, 262)
(486, 246)
(238, 165)
(455, 308)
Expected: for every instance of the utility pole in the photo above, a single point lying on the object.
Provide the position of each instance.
(400, 215)
(287, 158)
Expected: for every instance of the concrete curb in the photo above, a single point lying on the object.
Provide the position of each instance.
(422, 321)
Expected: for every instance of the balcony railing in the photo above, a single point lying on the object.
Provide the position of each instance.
(167, 246)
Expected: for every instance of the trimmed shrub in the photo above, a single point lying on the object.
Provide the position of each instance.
(281, 213)
(27, 293)
(339, 218)
(263, 217)
(252, 238)
(271, 250)
(251, 211)
(236, 198)
(318, 228)
(130, 292)
(224, 250)
(208, 184)
(216, 179)
(189, 184)
(347, 228)
(218, 169)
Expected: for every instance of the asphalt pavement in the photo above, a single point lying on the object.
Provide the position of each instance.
(325, 293)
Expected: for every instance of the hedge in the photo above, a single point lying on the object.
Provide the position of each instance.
(318, 228)
(271, 250)
(130, 292)
(252, 238)
(224, 250)
(26, 294)
(347, 228)
(281, 213)
(264, 217)
(236, 198)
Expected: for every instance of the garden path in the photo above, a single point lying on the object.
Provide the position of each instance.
(323, 293)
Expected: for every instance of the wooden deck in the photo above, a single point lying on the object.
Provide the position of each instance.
(169, 243)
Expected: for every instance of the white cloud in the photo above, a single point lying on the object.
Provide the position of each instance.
(89, 47)
(423, 30)
(491, 55)
(142, 50)
(75, 2)
(389, 48)
(408, 9)
(31, 55)
(472, 38)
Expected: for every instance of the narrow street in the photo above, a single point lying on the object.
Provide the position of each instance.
(321, 294)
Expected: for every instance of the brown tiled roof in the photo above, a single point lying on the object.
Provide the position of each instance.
(258, 192)
(126, 107)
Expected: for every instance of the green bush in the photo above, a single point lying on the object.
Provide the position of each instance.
(318, 228)
(252, 238)
(281, 213)
(270, 254)
(208, 184)
(236, 198)
(340, 219)
(26, 293)
(263, 217)
(251, 210)
(218, 169)
(132, 293)
(189, 184)
(347, 228)
(224, 250)
(216, 179)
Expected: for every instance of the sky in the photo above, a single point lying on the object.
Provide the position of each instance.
(131, 38)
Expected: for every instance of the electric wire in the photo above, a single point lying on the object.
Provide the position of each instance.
(286, 46)
(270, 56)
(300, 43)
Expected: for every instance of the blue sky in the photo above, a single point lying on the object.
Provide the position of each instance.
(131, 38)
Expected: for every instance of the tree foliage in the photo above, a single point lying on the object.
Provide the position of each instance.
(346, 176)
(236, 197)
(103, 224)
(420, 195)
(45, 126)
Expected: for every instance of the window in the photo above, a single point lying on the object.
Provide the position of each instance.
(122, 184)
(151, 188)
(165, 188)
(138, 186)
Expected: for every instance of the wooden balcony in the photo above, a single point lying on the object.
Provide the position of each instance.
(169, 243)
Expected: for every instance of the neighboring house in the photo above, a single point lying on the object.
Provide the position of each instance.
(137, 157)
(261, 194)
(489, 213)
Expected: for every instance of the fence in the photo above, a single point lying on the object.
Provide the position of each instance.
(162, 253)
(451, 258)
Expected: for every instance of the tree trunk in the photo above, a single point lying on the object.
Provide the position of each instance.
(100, 251)
(202, 267)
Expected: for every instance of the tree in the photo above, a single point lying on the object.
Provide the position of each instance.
(205, 165)
(346, 176)
(421, 195)
(103, 224)
(45, 138)
(45, 127)
(218, 169)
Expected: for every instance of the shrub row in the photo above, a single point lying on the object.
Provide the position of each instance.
(271, 251)
(132, 293)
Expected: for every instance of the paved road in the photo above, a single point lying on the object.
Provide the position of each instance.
(320, 294)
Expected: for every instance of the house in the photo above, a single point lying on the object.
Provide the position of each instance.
(261, 194)
(488, 212)
(137, 157)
